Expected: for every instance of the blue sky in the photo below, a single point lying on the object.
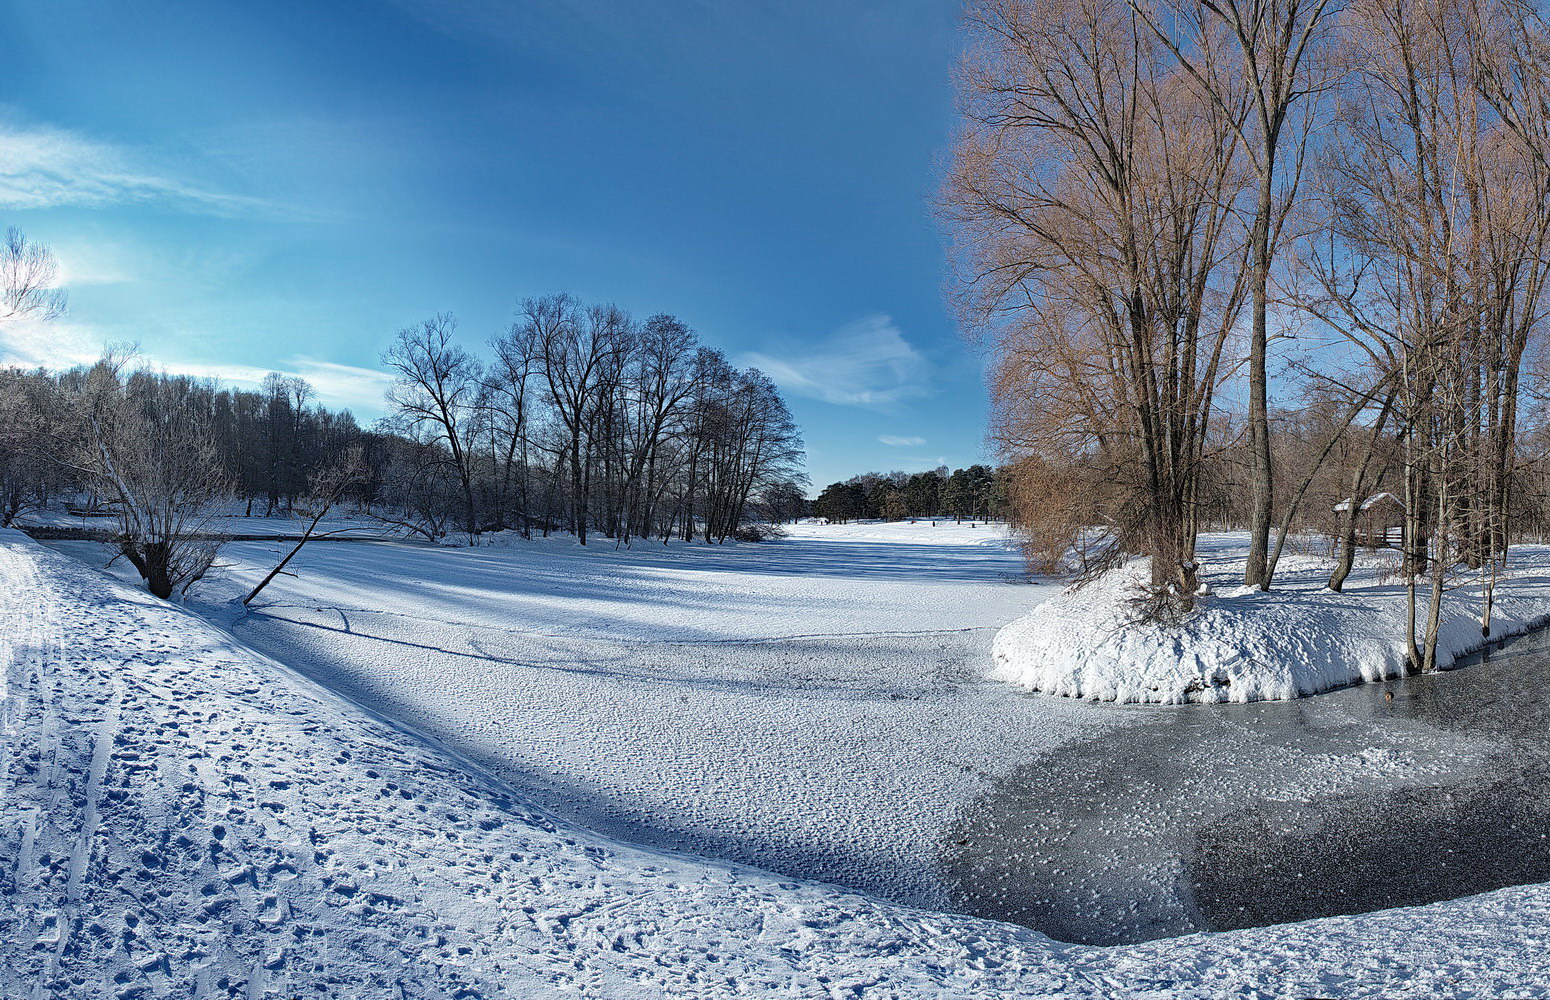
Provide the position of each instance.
(282, 185)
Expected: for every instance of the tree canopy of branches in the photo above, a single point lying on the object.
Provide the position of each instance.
(1092, 195)
(145, 441)
(587, 420)
(1371, 176)
(28, 280)
(1432, 259)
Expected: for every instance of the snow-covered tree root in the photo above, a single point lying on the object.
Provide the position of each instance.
(1246, 645)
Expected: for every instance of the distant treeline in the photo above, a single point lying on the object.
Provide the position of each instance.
(585, 421)
(975, 492)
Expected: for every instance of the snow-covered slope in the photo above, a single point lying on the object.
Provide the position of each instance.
(1245, 645)
(180, 817)
(814, 705)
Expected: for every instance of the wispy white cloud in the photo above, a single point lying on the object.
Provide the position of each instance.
(65, 345)
(865, 363)
(337, 385)
(359, 388)
(25, 344)
(44, 167)
(895, 441)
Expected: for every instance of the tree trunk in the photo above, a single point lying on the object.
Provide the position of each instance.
(1255, 572)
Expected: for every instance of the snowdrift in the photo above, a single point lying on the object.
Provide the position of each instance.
(1244, 645)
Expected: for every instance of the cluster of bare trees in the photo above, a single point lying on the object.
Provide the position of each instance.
(1435, 211)
(584, 421)
(1158, 205)
(587, 420)
(273, 441)
(136, 447)
(267, 445)
(165, 459)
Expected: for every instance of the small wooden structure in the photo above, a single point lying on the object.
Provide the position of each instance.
(1379, 520)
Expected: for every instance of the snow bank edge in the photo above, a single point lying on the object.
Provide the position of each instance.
(1246, 646)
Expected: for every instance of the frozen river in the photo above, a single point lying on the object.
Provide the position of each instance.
(815, 706)
(1218, 817)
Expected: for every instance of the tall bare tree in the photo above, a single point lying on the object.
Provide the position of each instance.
(581, 352)
(508, 400)
(1433, 264)
(435, 389)
(145, 441)
(327, 488)
(1092, 198)
(1262, 48)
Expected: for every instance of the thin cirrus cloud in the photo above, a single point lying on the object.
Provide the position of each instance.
(57, 345)
(895, 441)
(46, 167)
(62, 345)
(866, 363)
(357, 389)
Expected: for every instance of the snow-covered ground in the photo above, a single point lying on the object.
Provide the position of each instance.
(814, 705)
(181, 816)
(1245, 645)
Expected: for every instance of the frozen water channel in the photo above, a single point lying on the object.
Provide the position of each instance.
(1227, 816)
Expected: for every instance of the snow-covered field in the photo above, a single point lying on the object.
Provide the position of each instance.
(1244, 645)
(814, 705)
(181, 816)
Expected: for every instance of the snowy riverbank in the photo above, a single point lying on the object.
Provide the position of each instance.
(181, 817)
(1244, 645)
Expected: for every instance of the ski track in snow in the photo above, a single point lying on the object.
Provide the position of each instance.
(181, 817)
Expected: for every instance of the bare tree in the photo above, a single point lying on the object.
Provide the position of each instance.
(1433, 262)
(663, 380)
(28, 276)
(146, 442)
(1265, 53)
(328, 486)
(436, 385)
(582, 354)
(1092, 200)
(508, 402)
